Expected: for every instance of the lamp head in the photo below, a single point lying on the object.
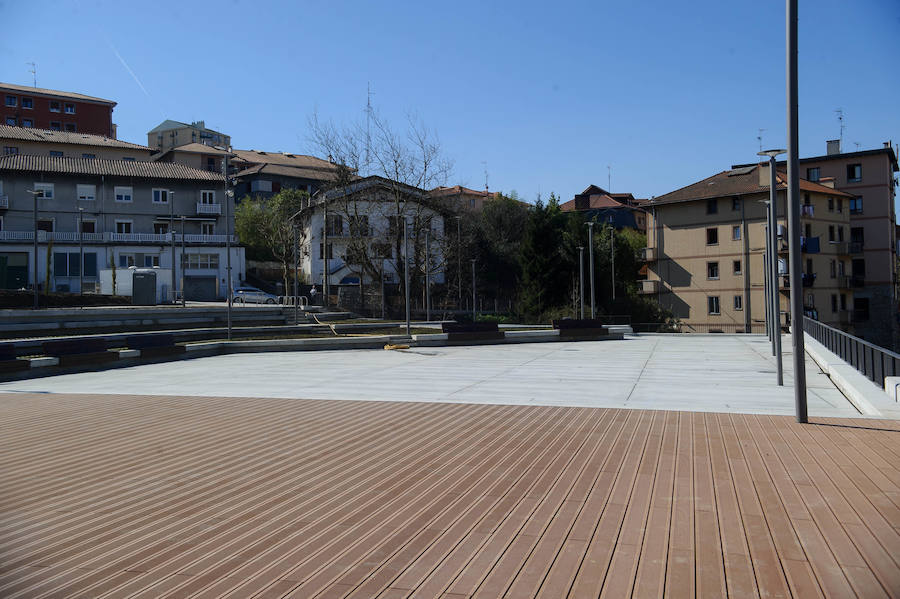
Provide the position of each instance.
(771, 153)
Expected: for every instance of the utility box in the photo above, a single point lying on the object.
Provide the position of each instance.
(143, 287)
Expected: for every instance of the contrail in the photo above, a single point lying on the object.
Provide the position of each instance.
(128, 68)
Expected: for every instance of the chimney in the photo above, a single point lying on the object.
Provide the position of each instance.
(834, 146)
(826, 181)
(887, 145)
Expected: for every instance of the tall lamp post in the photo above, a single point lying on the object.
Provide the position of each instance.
(581, 281)
(229, 197)
(183, 265)
(590, 226)
(427, 274)
(35, 194)
(772, 242)
(80, 251)
(474, 312)
(612, 255)
(172, 243)
(793, 214)
(406, 268)
(459, 260)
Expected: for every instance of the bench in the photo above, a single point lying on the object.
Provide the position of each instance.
(466, 332)
(154, 346)
(9, 360)
(79, 352)
(580, 329)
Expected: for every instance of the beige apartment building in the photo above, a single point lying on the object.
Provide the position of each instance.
(706, 246)
(172, 134)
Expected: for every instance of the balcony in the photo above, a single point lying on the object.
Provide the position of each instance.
(4, 202)
(648, 255)
(839, 247)
(856, 247)
(809, 279)
(209, 208)
(807, 210)
(808, 245)
(648, 287)
(843, 282)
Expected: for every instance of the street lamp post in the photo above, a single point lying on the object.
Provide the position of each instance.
(775, 309)
(183, 264)
(229, 197)
(427, 274)
(80, 251)
(35, 194)
(474, 312)
(406, 269)
(172, 243)
(459, 260)
(294, 268)
(581, 281)
(590, 226)
(612, 255)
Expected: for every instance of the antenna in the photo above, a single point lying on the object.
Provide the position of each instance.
(759, 137)
(33, 71)
(368, 121)
(840, 115)
(608, 178)
(856, 143)
(484, 164)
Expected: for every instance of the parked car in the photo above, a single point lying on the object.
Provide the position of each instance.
(252, 295)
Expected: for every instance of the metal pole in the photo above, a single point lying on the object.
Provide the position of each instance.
(183, 275)
(382, 290)
(406, 269)
(172, 235)
(773, 267)
(34, 196)
(427, 275)
(474, 309)
(81, 251)
(294, 267)
(459, 261)
(581, 281)
(612, 252)
(793, 212)
(325, 250)
(228, 284)
(770, 254)
(767, 303)
(591, 260)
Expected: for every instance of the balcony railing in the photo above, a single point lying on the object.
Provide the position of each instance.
(4, 201)
(843, 282)
(838, 247)
(807, 210)
(209, 208)
(649, 287)
(109, 237)
(648, 254)
(809, 279)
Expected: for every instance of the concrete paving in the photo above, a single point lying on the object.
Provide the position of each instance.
(696, 373)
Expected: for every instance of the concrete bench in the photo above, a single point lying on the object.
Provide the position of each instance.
(9, 361)
(580, 329)
(465, 332)
(79, 352)
(154, 346)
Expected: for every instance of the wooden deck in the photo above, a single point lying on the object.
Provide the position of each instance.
(136, 496)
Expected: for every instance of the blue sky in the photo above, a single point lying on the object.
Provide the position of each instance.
(546, 94)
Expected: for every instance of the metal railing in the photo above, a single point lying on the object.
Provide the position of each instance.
(209, 208)
(72, 236)
(4, 201)
(869, 359)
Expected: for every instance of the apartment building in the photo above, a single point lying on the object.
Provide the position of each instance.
(65, 144)
(622, 210)
(460, 198)
(120, 213)
(171, 134)
(24, 106)
(261, 174)
(195, 155)
(706, 245)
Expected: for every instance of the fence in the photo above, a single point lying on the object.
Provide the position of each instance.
(873, 361)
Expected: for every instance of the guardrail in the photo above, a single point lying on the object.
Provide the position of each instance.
(871, 360)
(155, 238)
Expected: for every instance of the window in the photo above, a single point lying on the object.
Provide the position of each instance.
(123, 226)
(126, 260)
(27, 103)
(28, 123)
(54, 106)
(812, 174)
(830, 204)
(830, 232)
(160, 228)
(55, 126)
(56, 154)
(207, 228)
(712, 206)
(151, 260)
(843, 301)
(840, 205)
(840, 233)
(807, 230)
(11, 101)
(122, 194)
(712, 304)
(712, 236)
(381, 250)
(65, 264)
(834, 303)
(842, 268)
(736, 232)
(45, 190)
(203, 261)
(856, 206)
(809, 266)
(355, 255)
(45, 224)
(88, 226)
(736, 267)
(335, 225)
(712, 270)
(833, 268)
(160, 196)
(810, 301)
(858, 267)
(211, 164)
(860, 308)
(738, 303)
(207, 196)
(858, 235)
(10, 150)
(330, 252)
(70, 108)
(854, 173)
(260, 185)
(735, 204)
(87, 193)
(359, 226)
(89, 156)
(806, 200)
(71, 128)
(11, 121)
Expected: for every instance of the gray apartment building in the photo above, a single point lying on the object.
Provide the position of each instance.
(119, 214)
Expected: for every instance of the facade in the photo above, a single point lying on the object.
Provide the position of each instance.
(364, 239)
(261, 174)
(195, 155)
(120, 213)
(64, 144)
(621, 209)
(171, 134)
(24, 106)
(706, 245)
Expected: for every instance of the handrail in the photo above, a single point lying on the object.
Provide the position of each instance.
(871, 360)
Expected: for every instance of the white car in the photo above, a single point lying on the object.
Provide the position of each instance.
(252, 295)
